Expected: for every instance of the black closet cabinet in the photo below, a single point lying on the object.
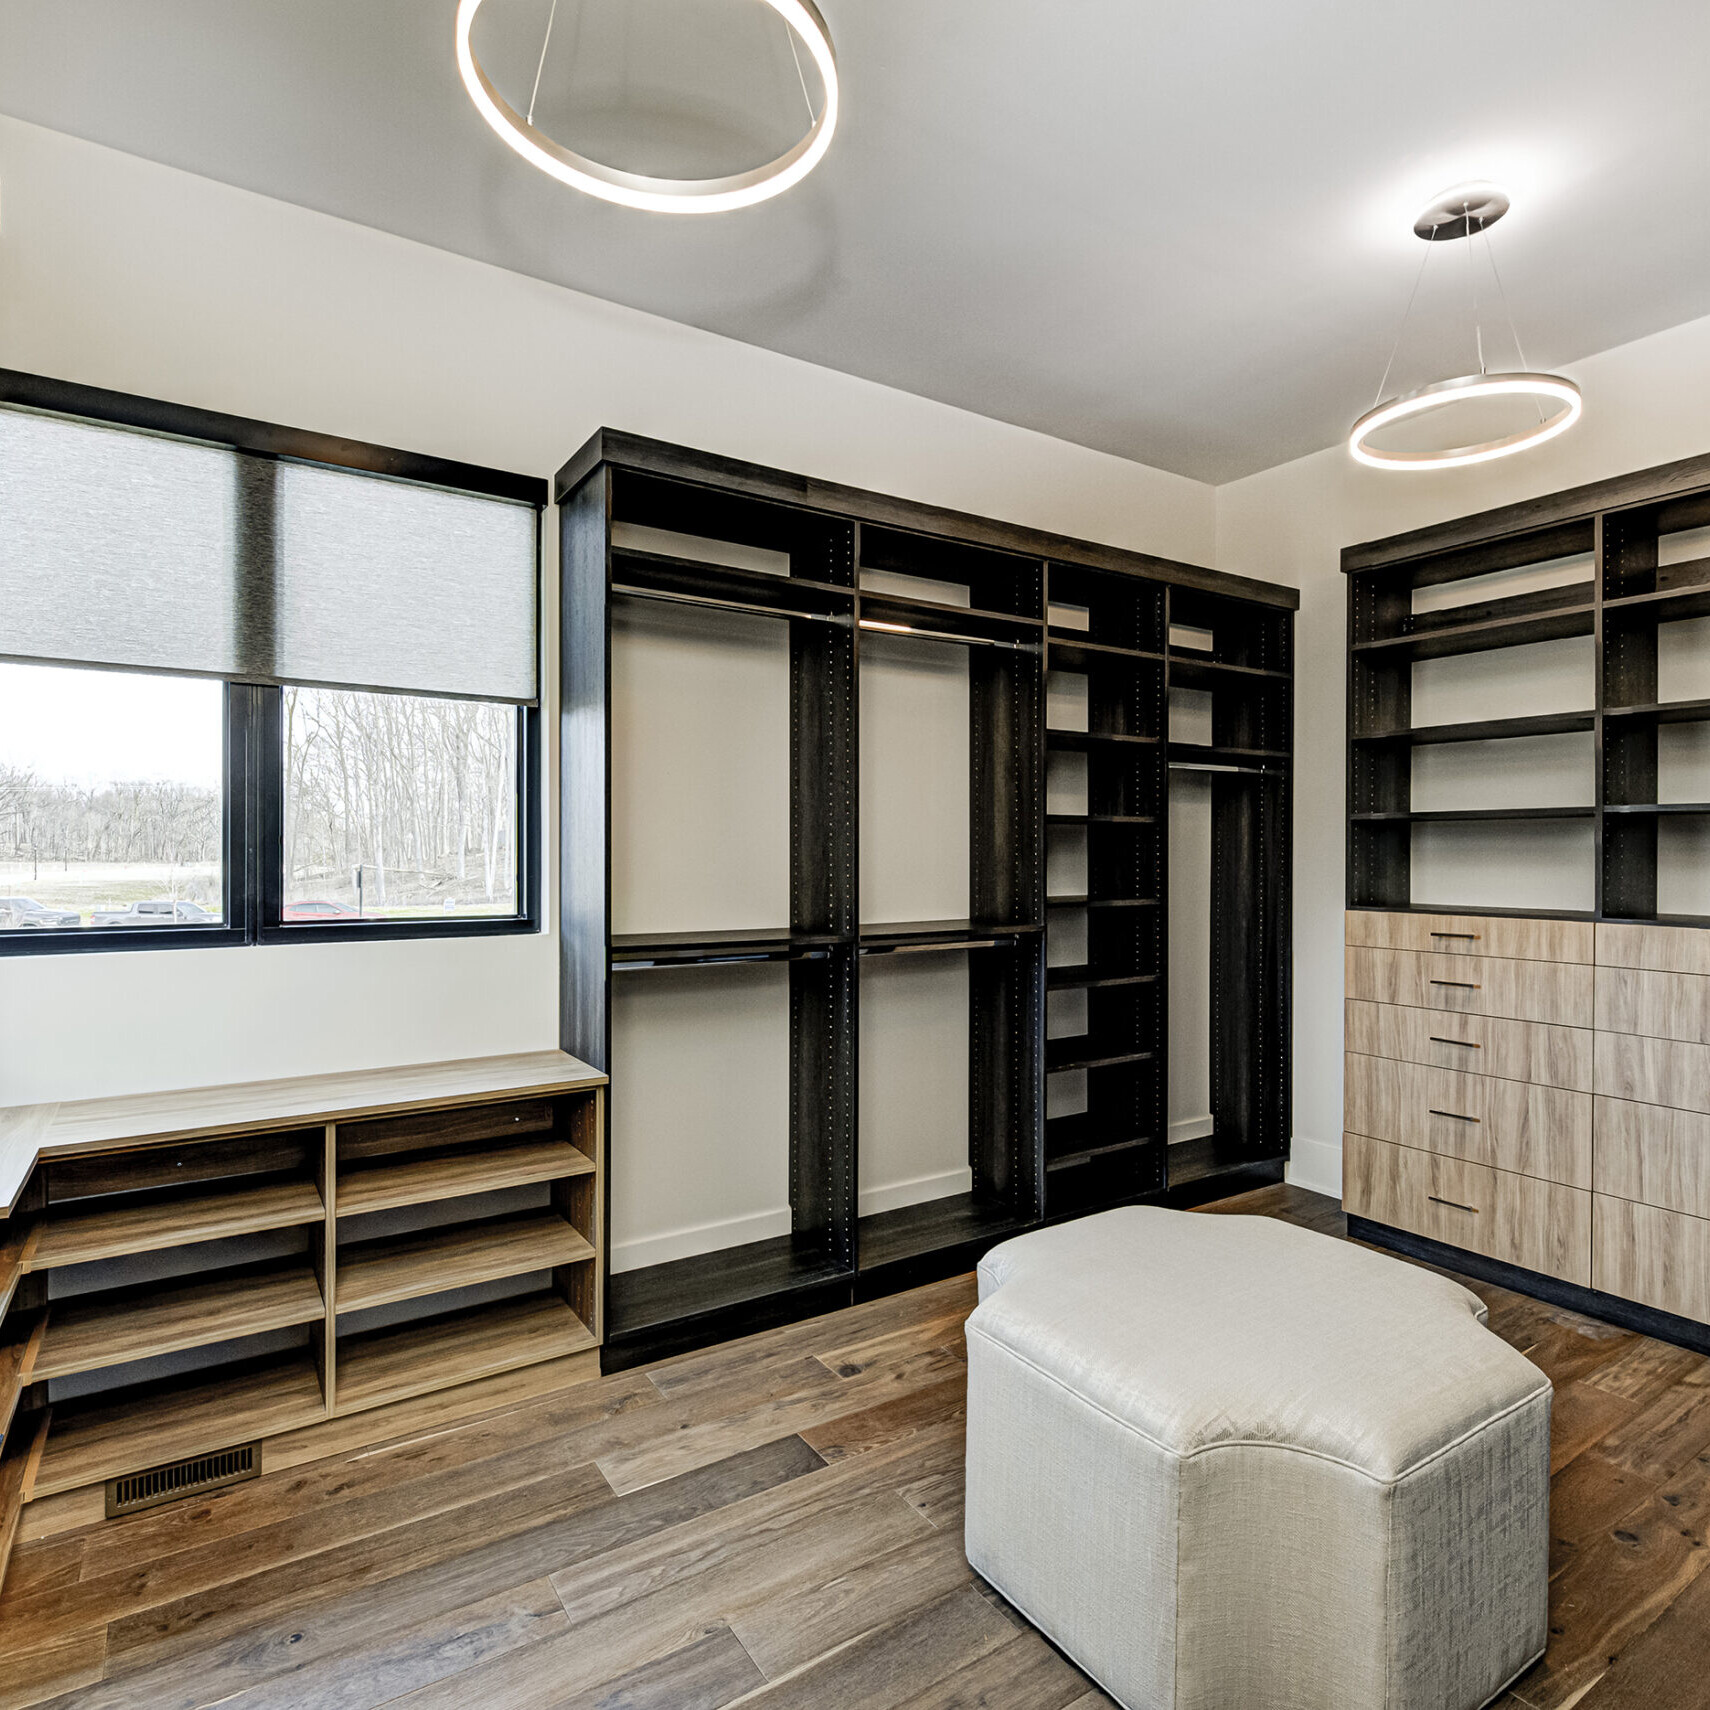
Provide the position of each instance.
(1118, 637)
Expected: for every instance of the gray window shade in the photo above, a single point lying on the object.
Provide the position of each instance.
(128, 549)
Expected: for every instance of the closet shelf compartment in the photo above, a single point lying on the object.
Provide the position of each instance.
(738, 944)
(1087, 1154)
(77, 1237)
(1073, 1139)
(20, 1337)
(379, 1366)
(1486, 730)
(1450, 816)
(1076, 741)
(1663, 712)
(434, 1261)
(661, 576)
(941, 934)
(1236, 759)
(1069, 650)
(1076, 1051)
(707, 1284)
(1665, 605)
(1082, 900)
(934, 1225)
(1445, 643)
(1190, 670)
(86, 1333)
(933, 620)
(102, 1437)
(1101, 819)
(1082, 977)
(1657, 807)
(456, 1174)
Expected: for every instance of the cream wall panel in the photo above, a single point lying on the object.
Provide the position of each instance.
(1533, 1131)
(1656, 1156)
(1658, 1258)
(1473, 934)
(1482, 1044)
(1539, 1226)
(1559, 993)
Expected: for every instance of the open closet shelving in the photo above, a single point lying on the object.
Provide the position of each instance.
(1065, 901)
(1623, 566)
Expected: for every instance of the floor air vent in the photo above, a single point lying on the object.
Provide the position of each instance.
(177, 1479)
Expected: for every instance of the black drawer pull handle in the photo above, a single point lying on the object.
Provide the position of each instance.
(1455, 1116)
(1453, 1204)
(1471, 937)
(1468, 1044)
(1462, 985)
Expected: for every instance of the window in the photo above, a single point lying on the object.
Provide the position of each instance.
(304, 697)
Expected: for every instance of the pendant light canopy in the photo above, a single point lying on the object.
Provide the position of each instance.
(1468, 211)
(641, 190)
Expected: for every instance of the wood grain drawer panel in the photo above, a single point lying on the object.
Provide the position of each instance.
(1667, 949)
(1658, 1258)
(1661, 1006)
(1559, 993)
(1654, 1071)
(1474, 934)
(1540, 1226)
(1653, 1155)
(1487, 1045)
(1534, 1131)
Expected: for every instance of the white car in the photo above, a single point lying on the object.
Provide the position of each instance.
(162, 911)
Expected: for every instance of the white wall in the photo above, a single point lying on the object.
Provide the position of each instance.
(1646, 403)
(118, 272)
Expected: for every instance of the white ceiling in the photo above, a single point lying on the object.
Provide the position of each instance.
(1178, 233)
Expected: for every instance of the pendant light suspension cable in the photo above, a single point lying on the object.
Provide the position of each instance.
(540, 65)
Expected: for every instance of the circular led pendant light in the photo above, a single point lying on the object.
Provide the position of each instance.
(641, 190)
(1468, 211)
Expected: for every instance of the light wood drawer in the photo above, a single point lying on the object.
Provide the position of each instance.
(1487, 1045)
(1668, 949)
(1539, 1226)
(1654, 1071)
(1474, 935)
(1656, 1156)
(1658, 1258)
(1556, 992)
(1662, 1006)
(1533, 1131)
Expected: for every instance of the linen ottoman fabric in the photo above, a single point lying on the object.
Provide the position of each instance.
(1229, 1464)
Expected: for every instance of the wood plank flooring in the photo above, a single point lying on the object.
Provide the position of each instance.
(774, 1523)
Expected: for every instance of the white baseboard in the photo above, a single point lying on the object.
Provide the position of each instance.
(1192, 1127)
(699, 1238)
(1315, 1165)
(894, 1195)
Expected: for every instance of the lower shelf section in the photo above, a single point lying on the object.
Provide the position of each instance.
(129, 1430)
(892, 1237)
(457, 1347)
(713, 1283)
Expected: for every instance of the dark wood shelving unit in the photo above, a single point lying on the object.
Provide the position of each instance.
(1627, 599)
(825, 542)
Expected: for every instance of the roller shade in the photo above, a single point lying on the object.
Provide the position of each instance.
(126, 548)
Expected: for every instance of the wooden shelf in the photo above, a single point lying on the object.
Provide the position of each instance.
(404, 1267)
(1665, 605)
(905, 606)
(740, 944)
(16, 1455)
(1076, 1138)
(1083, 977)
(706, 1285)
(940, 934)
(80, 1236)
(1067, 646)
(1193, 670)
(1227, 759)
(435, 1353)
(1081, 900)
(1664, 712)
(894, 1237)
(1101, 819)
(455, 1174)
(1076, 1051)
(1461, 638)
(1657, 807)
(128, 1431)
(1488, 730)
(84, 1334)
(20, 1342)
(693, 581)
(1092, 741)
(1087, 1154)
(1448, 816)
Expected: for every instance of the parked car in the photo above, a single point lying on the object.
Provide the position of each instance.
(25, 913)
(319, 911)
(161, 911)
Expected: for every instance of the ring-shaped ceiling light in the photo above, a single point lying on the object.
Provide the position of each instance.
(1542, 386)
(1466, 212)
(641, 190)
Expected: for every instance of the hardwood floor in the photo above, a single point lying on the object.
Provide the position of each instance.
(774, 1523)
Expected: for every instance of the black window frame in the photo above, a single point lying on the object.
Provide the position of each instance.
(253, 773)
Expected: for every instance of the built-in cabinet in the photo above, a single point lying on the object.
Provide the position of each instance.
(1528, 960)
(866, 879)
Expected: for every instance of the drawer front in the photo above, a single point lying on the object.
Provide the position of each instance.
(1669, 1072)
(1652, 1155)
(1658, 1258)
(1559, 993)
(1533, 1131)
(1539, 1226)
(1661, 1006)
(1474, 935)
(1668, 949)
(1486, 1045)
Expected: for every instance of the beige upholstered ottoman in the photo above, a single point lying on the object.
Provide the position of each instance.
(1227, 1464)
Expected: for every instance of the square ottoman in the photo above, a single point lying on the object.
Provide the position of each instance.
(1229, 1464)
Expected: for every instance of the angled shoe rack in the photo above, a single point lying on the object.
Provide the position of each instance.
(1058, 904)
